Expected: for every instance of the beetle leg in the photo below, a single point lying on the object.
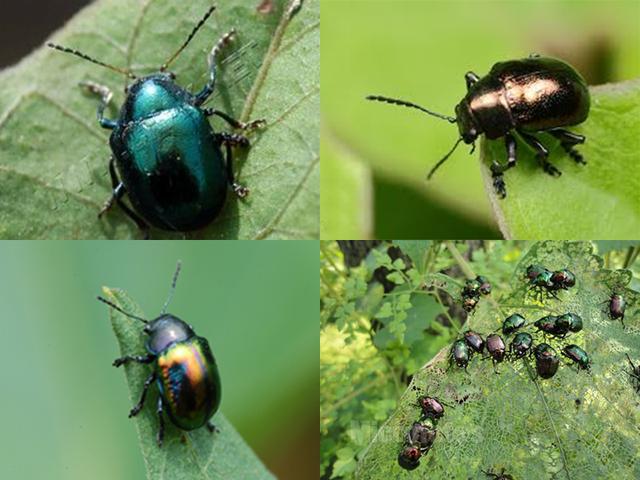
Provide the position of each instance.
(212, 58)
(134, 358)
(135, 410)
(229, 140)
(471, 78)
(105, 97)
(542, 154)
(568, 140)
(211, 427)
(497, 170)
(233, 122)
(118, 191)
(408, 439)
(160, 436)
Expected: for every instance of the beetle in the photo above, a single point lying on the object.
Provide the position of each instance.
(577, 355)
(573, 321)
(459, 354)
(184, 369)
(409, 457)
(485, 285)
(543, 280)
(547, 360)
(431, 407)
(474, 340)
(527, 96)
(471, 288)
(512, 323)
(534, 270)
(563, 279)
(558, 326)
(548, 325)
(617, 306)
(469, 303)
(421, 435)
(496, 349)
(521, 344)
(542, 284)
(165, 155)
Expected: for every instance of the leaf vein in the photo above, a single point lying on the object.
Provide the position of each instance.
(272, 53)
(270, 227)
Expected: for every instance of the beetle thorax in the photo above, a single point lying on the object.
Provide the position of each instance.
(151, 95)
(165, 330)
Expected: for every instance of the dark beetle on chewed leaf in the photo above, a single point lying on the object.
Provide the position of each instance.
(521, 344)
(184, 370)
(577, 355)
(409, 457)
(431, 407)
(459, 354)
(165, 156)
(528, 96)
(547, 360)
(512, 323)
(421, 435)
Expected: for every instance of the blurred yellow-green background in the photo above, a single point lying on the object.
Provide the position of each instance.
(375, 157)
(63, 407)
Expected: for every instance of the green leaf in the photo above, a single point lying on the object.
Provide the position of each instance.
(597, 200)
(346, 197)
(416, 250)
(197, 454)
(531, 427)
(345, 464)
(385, 311)
(53, 163)
(396, 277)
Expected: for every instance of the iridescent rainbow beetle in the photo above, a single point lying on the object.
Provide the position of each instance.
(184, 369)
(165, 155)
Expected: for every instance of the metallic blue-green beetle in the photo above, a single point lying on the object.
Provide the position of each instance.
(166, 157)
(184, 370)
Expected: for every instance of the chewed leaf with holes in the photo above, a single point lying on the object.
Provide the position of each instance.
(575, 425)
(197, 454)
(54, 155)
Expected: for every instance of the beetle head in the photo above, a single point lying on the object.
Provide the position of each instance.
(466, 123)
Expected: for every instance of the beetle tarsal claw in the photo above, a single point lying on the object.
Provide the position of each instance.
(254, 125)
(240, 190)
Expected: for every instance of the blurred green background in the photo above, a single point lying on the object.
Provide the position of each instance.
(375, 157)
(63, 407)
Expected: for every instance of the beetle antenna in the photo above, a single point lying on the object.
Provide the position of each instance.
(113, 305)
(83, 56)
(172, 289)
(166, 64)
(437, 165)
(404, 103)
